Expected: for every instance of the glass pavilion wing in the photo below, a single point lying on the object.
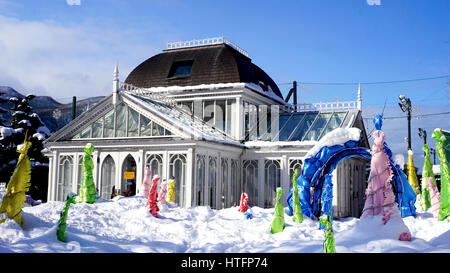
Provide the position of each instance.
(309, 125)
(288, 123)
(303, 127)
(122, 122)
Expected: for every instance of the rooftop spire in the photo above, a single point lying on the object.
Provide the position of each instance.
(116, 72)
(359, 100)
(116, 86)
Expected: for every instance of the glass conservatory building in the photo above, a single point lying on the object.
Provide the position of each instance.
(203, 114)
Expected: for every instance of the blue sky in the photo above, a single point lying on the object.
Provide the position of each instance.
(53, 48)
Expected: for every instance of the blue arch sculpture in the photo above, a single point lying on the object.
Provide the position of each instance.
(319, 167)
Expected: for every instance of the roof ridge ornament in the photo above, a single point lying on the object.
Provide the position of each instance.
(145, 92)
(205, 42)
(359, 99)
(116, 83)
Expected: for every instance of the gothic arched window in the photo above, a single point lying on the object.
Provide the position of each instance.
(272, 182)
(108, 178)
(65, 181)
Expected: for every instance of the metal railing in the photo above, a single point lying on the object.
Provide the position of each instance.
(320, 106)
(204, 42)
(147, 93)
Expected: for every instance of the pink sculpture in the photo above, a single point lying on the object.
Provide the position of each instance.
(162, 193)
(380, 198)
(144, 191)
(435, 197)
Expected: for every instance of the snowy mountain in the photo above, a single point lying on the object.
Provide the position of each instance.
(55, 115)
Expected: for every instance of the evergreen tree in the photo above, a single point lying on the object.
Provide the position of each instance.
(23, 122)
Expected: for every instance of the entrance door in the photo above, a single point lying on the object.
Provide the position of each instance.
(128, 185)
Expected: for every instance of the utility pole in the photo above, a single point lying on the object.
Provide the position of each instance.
(74, 107)
(423, 135)
(405, 105)
(433, 152)
(292, 91)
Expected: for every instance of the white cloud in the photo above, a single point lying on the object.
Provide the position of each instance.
(73, 2)
(48, 58)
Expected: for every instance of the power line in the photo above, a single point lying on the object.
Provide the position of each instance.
(367, 83)
(416, 116)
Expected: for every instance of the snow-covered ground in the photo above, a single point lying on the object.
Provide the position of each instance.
(125, 225)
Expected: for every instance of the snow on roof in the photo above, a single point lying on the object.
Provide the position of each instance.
(185, 122)
(268, 144)
(336, 137)
(176, 89)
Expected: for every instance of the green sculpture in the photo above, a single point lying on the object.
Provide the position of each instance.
(427, 173)
(87, 193)
(444, 210)
(298, 216)
(328, 244)
(278, 218)
(61, 231)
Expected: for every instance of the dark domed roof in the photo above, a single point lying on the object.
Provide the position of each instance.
(208, 65)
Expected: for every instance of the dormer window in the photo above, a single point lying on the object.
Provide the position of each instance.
(180, 69)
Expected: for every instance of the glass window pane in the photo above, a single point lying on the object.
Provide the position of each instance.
(229, 120)
(133, 122)
(186, 106)
(303, 127)
(234, 183)
(220, 114)
(180, 69)
(108, 174)
(208, 112)
(97, 128)
(212, 182)
(335, 122)
(272, 182)
(157, 130)
(293, 165)
(288, 123)
(250, 185)
(318, 126)
(121, 121)
(200, 193)
(65, 177)
(86, 133)
(253, 122)
(108, 130)
(146, 126)
(198, 109)
(80, 172)
(225, 199)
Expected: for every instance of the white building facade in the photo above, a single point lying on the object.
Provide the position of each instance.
(207, 117)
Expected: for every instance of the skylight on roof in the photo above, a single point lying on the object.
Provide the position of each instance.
(180, 69)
